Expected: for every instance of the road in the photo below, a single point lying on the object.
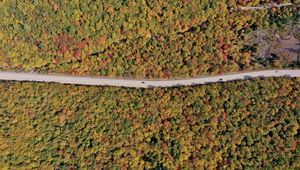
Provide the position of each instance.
(98, 81)
(267, 6)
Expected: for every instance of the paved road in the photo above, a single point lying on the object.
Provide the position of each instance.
(35, 77)
(273, 5)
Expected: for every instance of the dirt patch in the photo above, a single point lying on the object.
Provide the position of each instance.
(288, 47)
(273, 43)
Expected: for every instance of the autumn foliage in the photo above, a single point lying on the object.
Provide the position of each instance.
(141, 39)
(252, 124)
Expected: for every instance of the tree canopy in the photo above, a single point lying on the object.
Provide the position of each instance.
(141, 39)
(237, 125)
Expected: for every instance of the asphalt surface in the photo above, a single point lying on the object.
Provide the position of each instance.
(267, 6)
(136, 83)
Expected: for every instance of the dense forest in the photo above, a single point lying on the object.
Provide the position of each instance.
(235, 125)
(141, 39)
(249, 124)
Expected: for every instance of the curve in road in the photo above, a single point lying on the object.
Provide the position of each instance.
(35, 77)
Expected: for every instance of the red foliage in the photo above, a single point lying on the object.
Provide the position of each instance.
(278, 1)
(63, 43)
(243, 2)
(77, 53)
(223, 49)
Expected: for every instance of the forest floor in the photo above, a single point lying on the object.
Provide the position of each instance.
(283, 43)
(287, 46)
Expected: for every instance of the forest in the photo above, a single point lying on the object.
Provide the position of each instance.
(136, 38)
(250, 124)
